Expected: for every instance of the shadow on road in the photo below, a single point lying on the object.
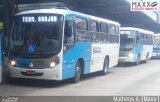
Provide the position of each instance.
(124, 65)
(130, 65)
(155, 58)
(51, 83)
(38, 83)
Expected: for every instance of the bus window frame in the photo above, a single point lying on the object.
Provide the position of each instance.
(80, 30)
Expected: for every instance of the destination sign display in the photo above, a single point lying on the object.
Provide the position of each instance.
(28, 19)
(157, 37)
(125, 32)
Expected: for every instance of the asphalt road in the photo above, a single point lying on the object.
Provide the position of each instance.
(121, 80)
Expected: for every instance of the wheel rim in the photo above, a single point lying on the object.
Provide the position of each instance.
(105, 67)
(138, 60)
(147, 58)
(78, 73)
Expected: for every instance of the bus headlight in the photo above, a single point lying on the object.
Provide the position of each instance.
(52, 64)
(13, 63)
(130, 54)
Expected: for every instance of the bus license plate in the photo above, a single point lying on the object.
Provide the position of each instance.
(31, 72)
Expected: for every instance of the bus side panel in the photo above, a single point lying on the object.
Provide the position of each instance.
(138, 50)
(100, 51)
(113, 53)
(148, 49)
(79, 50)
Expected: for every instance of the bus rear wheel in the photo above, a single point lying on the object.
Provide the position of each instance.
(77, 75)
(105, 67)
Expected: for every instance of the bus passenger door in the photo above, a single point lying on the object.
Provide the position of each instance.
(138, 45)
(68, 45)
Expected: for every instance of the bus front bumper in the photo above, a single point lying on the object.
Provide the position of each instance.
(126, 59)
(46, 74)
(156, 55)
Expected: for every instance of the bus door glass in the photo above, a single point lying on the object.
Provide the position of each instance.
(137, 38)
(138, 46)
(69, 36)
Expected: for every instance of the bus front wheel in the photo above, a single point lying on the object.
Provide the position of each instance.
(77, 75)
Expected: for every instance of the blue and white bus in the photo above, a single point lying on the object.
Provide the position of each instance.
(156, 47)
(57, 44)
(135, 45)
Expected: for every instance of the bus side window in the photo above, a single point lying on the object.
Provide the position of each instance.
(69, 32)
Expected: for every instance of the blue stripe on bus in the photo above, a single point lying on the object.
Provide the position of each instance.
(156, 50)
(23, 62)
(80, 50)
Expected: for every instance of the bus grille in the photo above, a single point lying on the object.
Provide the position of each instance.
(36, 65)
(122, 54)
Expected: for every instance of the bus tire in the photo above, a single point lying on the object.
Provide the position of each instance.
(77, 75)
(105, 67)
(137, 61)
(147, 58)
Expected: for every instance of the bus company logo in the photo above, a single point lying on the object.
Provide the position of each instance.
(153, 4)
(145, 5)
(31, 65)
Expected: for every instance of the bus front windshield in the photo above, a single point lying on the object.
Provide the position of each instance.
(38, 35)
(127, 39)
(157, 42)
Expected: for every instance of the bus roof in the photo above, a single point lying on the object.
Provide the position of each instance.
(57, 11)
(137, 29)
(67, 12)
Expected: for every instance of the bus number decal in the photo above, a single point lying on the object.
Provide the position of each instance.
(96, 50)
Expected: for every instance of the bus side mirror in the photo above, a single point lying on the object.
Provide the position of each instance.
(68, 28)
